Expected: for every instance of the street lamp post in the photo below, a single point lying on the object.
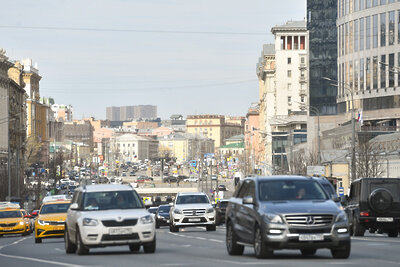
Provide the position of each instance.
(353, 126)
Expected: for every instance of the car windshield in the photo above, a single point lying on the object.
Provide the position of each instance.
(152, 210)
(10, 214)
(283, 190)
(54, 208)
(329, 189)
(111, 200)
(190, 199)
(164, 208)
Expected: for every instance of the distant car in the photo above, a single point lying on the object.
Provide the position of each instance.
(221, 187)
(162, 216)
(124, 174)
(191, 180)
(132, 173)
(170, 179)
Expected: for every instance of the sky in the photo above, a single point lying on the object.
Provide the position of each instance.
(184, 56)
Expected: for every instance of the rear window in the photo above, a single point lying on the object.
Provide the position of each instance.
(10, 214)
(164, 208)
(393, 188)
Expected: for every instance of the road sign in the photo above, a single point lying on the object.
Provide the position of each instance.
(341, 191)
(315, 170)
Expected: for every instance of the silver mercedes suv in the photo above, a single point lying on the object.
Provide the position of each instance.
(285, 212)
(108, 215)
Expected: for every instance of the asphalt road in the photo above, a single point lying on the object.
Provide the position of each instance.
(190, 247)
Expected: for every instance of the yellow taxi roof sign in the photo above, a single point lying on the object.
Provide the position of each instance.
(9, 205)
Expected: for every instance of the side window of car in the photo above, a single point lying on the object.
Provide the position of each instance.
(243, 190)
(251, 191)
(75, 197)
(79, 200)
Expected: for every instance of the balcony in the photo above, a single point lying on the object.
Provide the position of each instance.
(302, 66)
(303, 79)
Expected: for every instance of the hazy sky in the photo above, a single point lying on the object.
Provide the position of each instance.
(176, 54)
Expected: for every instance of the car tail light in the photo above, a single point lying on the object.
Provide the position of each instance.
(364, 214)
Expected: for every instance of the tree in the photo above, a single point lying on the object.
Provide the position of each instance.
(33, 150)
(368, 160)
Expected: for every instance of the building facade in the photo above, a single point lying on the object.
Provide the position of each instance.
(253, 146)
(129, 113)
(79, 132)
(132, 148)
(216, 127)
(62, 112)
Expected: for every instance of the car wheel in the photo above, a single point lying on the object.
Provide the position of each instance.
(211, 227)
(393, 233)
(308, 252)
(358, 229)
(231, 241)
(150, 247)
(81, 249)
(173, 228)
(38, 240)
(134, 247)
(261, 249)
(69, 246)
(343, 252)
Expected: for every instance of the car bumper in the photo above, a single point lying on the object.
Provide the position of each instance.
(297, 238)
(19, 229)
(47, 231)
(101, 236)
(182, 220)
(163, 220)
(373, 222)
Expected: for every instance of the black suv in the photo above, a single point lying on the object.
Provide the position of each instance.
(374, 204)
(285, 212)
(220, 211)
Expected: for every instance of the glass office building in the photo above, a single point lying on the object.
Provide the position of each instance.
(321, 24)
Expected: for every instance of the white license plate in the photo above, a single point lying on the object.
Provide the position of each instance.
(316, 237)
(120, 231)
(194, 220)
(384, 219)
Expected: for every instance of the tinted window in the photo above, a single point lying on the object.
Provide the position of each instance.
(190, 199)
(291, 190)
(243, 190)
(164, 208)
(10, 214)
(54, 208)
(328, 188)
(111, 200)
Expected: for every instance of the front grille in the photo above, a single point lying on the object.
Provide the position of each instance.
(8, 224)
(194, 212)
(309, 231)
(113, 223)
(54, 232)
(186, 220)
(56, 223)
(311, 220)
(119, 237)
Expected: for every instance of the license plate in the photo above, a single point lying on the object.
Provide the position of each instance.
(384, 219)
(316, 237)
(194, 220)
(120, 231)
(59, 228)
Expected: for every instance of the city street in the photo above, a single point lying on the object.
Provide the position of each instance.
(191, 247)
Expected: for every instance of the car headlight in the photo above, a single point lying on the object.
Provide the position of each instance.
(42, 222)
(272, 218)
(341, 217)
(210, 210)
(21, 223)
(89, 222)
(177, 211)
(146, 219)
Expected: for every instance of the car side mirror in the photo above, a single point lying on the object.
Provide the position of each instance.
(344, 199)
(248, 200)
(74, 206)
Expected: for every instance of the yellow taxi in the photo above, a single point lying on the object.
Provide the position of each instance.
(12, 220)
(51, 219)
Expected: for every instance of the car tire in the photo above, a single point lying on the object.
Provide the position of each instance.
(261, 249)
(150, 247)
(212, 227)
(134, 247)
(173, 228)
(81, 249)
(69, 246)
(358, 229)
(38, 240)
(231, 241)
(393, 233)
(343, 252)
(308, 252)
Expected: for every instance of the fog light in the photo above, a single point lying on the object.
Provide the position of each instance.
(92, 237)
(342, 230)
(275, 231)
(211, 218)
(146, 234)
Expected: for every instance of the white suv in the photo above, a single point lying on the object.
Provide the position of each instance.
(192, 209)
(108, 215)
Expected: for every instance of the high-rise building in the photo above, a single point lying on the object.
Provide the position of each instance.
(113, 113)
(321, 25)
(129, 113)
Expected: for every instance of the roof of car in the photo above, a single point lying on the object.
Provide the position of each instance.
(107, 187)
(279, 177)
(190, 193)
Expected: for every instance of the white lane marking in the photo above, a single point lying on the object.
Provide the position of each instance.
(34, 259)
(198, 238)
(375, 240)
(244, 262)
(215, 240)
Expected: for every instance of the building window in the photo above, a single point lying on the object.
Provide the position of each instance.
(391, 72)
(296, 42)
(362, 74)
(283, 43)
(289, 60)
(368, 73)
(302, 42)
(351, 74)
(351, 37)
(302, 60)
(346, 38)
(368, 4)
(375, 31)
(355, 5)
(383, 71)
(362, 4)
(289, 86)
(362, 33)
(375, 72)
(289, 100)
(289, 73)
(391, 28)
(302, 99)
(355, 35)
(383, 29)
(289, 43)
(356, 75)
(368, 32)
(398, 27)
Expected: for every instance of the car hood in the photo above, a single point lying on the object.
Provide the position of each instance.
(193, 206)
(10, 220)
(292, 207)
(120, 214)
(53, 217)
